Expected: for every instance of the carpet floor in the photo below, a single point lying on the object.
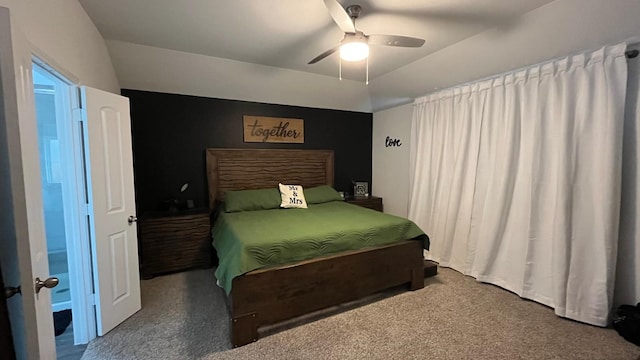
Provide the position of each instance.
(184, 316)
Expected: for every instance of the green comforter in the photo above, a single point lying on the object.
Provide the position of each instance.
(249, 240)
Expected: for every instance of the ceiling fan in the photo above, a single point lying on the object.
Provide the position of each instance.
(355, 44)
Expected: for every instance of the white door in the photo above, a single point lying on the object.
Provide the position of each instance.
(114, 238)
(23, 248)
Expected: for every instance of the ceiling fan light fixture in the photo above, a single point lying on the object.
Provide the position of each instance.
(354, 51)
(355, 44)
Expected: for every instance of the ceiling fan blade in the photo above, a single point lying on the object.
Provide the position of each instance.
(395, 40)
(324, 55)
(340, 16)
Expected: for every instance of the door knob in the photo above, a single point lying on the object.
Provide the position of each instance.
(9, 291)
(49, 283)
(132, 219)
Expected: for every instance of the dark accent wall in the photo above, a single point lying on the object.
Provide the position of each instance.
(171, 132)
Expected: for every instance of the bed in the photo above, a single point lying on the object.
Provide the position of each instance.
(273, 294)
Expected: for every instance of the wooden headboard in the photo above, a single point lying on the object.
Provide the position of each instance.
(241, 169)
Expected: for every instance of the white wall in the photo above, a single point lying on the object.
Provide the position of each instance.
(141, 67)
(391, 164)
(63, 33)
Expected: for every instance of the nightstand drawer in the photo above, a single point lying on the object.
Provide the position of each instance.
(371, 202)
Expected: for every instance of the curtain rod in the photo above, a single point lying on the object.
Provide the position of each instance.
(632, 53)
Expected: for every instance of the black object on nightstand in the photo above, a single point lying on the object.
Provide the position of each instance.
(174, 241)
(371, 202)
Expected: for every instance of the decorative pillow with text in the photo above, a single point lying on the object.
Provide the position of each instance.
(292, 196)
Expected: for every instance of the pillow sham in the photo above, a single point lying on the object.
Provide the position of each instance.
(321, 194)
(247, 200)
(292, 196)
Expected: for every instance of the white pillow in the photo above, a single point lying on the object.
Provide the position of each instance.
(292, 196)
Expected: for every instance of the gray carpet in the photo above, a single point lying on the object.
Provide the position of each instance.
(184, 316)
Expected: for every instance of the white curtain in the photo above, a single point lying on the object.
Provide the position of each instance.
(517, 180)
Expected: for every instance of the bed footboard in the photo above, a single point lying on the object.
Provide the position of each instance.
(268, 296)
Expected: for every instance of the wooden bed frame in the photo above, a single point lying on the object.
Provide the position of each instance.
(268, 296)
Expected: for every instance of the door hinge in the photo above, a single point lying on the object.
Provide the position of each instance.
(77, 115)
(79, 97)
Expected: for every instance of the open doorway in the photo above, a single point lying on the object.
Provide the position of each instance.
(52, 177)
(65, 209)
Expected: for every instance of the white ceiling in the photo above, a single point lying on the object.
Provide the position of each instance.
(289, 33)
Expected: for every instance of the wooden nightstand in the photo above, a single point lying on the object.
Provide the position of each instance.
(174, 241)
(371, 202)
